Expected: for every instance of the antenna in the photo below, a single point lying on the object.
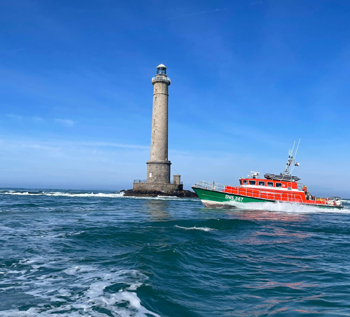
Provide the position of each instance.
(293, 159)
(292, 149)
(290, 160)
(295, 156)
(287, 173)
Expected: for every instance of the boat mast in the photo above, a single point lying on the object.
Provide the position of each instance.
(291, 159)
(286, 175)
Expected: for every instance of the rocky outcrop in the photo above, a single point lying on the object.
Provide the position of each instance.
(155, 193)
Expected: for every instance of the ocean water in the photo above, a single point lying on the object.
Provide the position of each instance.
(83, 253)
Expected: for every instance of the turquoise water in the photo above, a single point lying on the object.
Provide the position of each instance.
(83, 253)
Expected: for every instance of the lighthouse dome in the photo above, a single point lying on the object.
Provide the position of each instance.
(161, 69)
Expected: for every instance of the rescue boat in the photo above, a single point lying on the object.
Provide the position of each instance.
(280, 188)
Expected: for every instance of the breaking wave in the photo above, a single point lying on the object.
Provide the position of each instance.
(195, 228)
(62, 194)
(164, 198)
(88, 194)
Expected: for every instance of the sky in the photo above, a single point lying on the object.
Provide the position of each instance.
(248, 79)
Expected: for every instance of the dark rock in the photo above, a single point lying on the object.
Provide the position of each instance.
(154, 193)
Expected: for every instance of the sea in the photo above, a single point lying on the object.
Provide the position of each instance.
(98, 253)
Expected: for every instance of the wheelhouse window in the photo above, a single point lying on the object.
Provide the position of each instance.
(278, 184)
(241, 182)
(244, 182)
(270, 184)
(252, 182)
(261, 183)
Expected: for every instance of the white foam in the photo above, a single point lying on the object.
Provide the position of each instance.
(195, 228)
(164, 198)
(63, 194)
(117, 195)
(79, 290)
(73, 270)
(96, 195)
(285, 207)
(16, 193)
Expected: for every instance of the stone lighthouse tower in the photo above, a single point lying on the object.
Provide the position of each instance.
(158, 166)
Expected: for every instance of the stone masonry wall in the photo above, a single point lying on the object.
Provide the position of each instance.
(158, 172)
(159, 135)
(158, 187)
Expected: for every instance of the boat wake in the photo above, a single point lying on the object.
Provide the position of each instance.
(88, 292)
(283, 207)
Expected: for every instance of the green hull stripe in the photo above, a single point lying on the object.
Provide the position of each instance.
(211, 195)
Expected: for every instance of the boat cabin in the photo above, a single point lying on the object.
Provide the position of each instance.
(272, 187)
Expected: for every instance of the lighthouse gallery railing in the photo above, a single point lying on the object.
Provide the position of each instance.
(145, 181)
(161, 78)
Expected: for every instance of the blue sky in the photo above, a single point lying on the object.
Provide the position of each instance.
(248, 78)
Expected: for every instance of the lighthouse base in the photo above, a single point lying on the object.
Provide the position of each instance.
(142, 188)
(158, 172)
(166, 188)
(148, 192)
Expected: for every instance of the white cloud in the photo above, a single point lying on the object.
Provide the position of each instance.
(118, 145)
(61, 163)
(65, 122)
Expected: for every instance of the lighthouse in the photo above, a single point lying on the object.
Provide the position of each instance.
(158, 165)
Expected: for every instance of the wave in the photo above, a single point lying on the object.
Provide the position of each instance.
(91, 194)
(63, 194)
(165, 198)
(89, 286)
(107, 195)
(195, 228)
